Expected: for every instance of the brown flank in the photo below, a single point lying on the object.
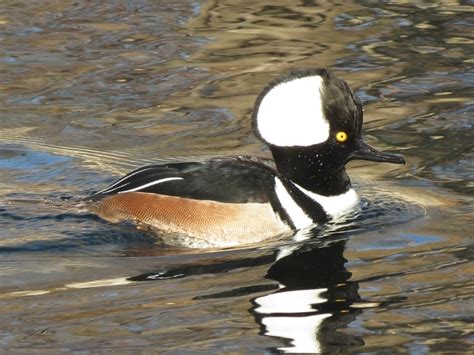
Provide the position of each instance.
(214, 223)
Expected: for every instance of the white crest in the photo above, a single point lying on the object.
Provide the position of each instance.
(291, 113)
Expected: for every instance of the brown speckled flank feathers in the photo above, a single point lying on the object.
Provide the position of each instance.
(209, 223)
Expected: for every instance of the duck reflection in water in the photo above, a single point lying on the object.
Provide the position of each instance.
(312, 299)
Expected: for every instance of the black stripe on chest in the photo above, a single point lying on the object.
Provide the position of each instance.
(311, 208)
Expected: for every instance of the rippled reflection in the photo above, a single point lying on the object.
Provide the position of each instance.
(313, 300)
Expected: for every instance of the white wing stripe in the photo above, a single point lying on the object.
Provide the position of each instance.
(151, 184)
(110, 187)
(108, 190)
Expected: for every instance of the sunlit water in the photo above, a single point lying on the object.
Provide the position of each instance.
(92, 90)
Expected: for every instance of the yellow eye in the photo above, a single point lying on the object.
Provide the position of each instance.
(341, 136)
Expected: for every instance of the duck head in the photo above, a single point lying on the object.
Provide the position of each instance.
(312, 122)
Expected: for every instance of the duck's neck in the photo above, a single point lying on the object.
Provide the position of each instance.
(317, 171)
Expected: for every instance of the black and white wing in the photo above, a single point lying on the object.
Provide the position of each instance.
(233, 180)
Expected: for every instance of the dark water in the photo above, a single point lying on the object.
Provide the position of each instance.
(90, 90)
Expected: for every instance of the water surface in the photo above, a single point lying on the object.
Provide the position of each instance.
(90, 91)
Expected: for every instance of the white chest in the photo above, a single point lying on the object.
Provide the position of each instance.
(334, 206)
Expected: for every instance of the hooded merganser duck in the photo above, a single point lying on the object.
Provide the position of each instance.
(312, 122)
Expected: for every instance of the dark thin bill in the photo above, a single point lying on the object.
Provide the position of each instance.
(366, 152)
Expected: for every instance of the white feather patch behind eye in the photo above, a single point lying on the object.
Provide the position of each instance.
(291, 113)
